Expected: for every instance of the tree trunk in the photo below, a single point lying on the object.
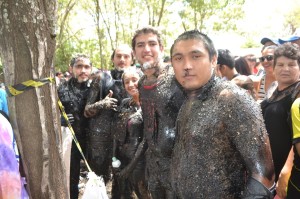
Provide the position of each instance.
(27, 44)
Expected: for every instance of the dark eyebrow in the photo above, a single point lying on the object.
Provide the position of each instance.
(141, 42)
(196, 51)
(176, 54)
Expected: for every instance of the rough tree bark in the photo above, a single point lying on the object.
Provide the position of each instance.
(27, 44)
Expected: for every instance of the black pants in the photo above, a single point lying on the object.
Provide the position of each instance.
(75, 167)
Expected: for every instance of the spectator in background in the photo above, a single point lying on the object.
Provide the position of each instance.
(267, 41)
(242, 66)
(268, 82)
(293, 190)
(3, 101)
(59, 77)
(293, 39)
(225, 64)
(251, 61)
(276, 111)
(11, 185)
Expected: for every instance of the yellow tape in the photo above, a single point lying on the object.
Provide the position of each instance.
(20, 88)
(73, 134)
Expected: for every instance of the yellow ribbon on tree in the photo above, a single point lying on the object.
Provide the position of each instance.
(20, 88)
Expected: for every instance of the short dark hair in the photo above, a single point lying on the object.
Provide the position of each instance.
(288, 50)
(146, 30)
(196, 34)
(77, 57)
(225, 58)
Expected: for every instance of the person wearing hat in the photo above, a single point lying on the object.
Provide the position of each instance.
(293, 39)
(267, 41)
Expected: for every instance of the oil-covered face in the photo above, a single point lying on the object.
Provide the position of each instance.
(191, 63)
(122, 58)
(147, 49)
(286, 71)
(131, 80)
(82, 69)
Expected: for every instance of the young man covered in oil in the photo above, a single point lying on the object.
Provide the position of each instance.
(160, 99)
(220, 134)
(73, 95)
(105, 95)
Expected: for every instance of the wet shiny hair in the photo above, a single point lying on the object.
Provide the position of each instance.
(289, 50)
(197, 35)
(77, 57)
(146, 30)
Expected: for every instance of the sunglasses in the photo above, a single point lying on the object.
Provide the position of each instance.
(268, 58)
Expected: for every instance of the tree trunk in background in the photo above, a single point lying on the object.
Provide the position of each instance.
(27, 44)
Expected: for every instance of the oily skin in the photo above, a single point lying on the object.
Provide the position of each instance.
(191, 63)
(148, 49)
(197, 143)
(82, 70)
(122, 58)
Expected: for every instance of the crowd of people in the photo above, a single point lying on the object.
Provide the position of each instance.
(199, 123)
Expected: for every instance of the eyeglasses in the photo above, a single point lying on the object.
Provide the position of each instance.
(268, 58)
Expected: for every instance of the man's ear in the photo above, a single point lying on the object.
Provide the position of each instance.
(214, 61)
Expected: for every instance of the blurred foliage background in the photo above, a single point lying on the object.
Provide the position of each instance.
(96, 27)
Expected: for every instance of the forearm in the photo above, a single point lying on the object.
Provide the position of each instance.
(286, 170)
(139, 152)
(282, 183)
(90, 110)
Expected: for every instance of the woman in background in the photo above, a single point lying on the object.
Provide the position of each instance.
(276, 112)
(268, 82)
(242, 66)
